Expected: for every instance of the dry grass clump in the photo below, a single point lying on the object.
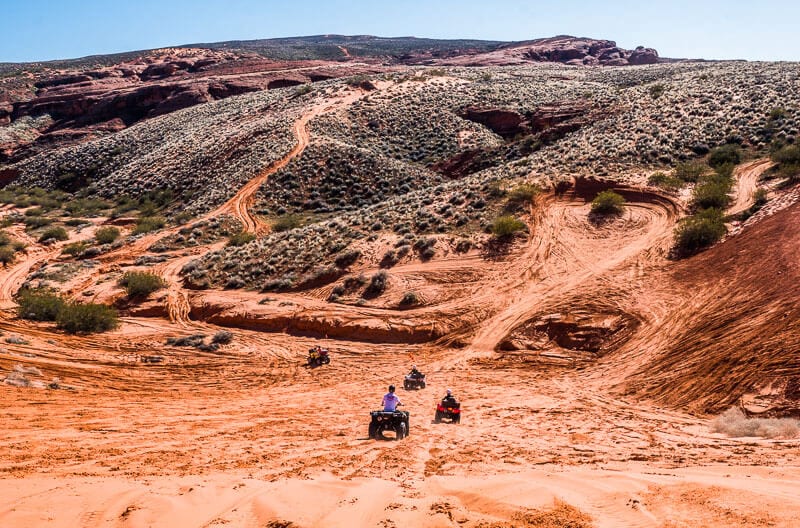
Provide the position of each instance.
(734, 423)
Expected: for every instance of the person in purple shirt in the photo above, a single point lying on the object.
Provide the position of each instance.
(391, 400)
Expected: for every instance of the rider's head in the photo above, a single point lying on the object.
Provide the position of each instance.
(449, 392)
(391, 388)
(413, 367)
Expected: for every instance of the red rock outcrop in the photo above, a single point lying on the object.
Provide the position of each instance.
(82, 103)
(576, 51)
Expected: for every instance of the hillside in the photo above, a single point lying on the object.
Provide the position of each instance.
(594, 249)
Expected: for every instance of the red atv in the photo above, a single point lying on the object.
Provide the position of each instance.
(318, 356)
(448, 410)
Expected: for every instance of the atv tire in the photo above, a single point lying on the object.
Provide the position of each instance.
(401, 430)
(406, 385)
(373, 431)
(326, 360)
(457, 418)
(422, 385)
(437, 418)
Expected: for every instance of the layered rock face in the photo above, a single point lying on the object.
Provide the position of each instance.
(576, 51)
(69, 106)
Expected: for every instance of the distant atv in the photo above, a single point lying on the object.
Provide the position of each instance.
(396, 421)
(414, 381)
(448, 410)
(318, 356)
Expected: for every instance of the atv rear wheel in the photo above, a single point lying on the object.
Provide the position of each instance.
(373, 431)
(401, 430)
(422, 385)
(406, 385)
(437, 418)
(326, 360)
(457, 418)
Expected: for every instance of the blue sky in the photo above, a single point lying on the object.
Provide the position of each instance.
(733, 29)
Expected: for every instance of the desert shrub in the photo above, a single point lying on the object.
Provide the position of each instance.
(54, 233)
(410, 299)
(140, 284)
(689, 172)
(241, 238)
(711, 195)
(35, 222)
(726, 154)
(34, 211)
(607, 203)
(106, 235)
(74, 249)
(760, 197)
(734, 423)
(74, 222)
(7, 255)
(5, 238)
(377, 284)
(664, 181)
(699, 231)
(506, 226)
(287, 222)
(146, 224)
(788, 160)
(521, 195)
(39, 305)
(348, 258)
(77, 317)
(194, 340)
(223, 337)
(656, 90)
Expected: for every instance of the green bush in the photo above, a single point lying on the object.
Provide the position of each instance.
(77, 317)
(39, 305)
(34, 211)
(76, 248)
(607, 203)
(699, 231)
(506, 226)
(54, 233)
(711, 194)
(140, 284)
(106, 235)
(146, 224)
(522, 195)
(410, 299)
(287, 222)
(35, 222)
(788, 160)
(241, 238)
(663, 181)
(690, 172)
(377, 284)
(7, 255)
(726, 154)
(656, 90)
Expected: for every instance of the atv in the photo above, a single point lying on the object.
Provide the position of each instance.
(317, 357)
(448, 411)
(414, 381)
(396, 421)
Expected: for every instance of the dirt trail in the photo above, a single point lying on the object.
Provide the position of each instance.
(243, 435)
(239, 206)
(566, 251)
(747, 176)
(345, 51)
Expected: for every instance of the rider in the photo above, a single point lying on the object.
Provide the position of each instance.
(449, 398)
(414, 372)
(391, 400)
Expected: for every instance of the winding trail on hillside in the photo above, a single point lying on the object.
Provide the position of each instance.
(747, 176)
